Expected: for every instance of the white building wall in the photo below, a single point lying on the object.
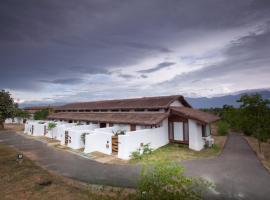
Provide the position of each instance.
(99, 141)
(176, 103)
(195, 135)
(130, 142)
(75, 133)
(15, 120)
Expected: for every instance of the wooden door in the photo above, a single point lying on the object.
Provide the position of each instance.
(132, 127)
(45, 130)
(66, 137)
(115, 144)
(186, 132)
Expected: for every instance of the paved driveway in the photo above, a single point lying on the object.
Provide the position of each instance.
(237, 172)
(71, 165)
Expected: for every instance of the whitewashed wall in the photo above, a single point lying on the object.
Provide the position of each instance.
(15, 120)
(196, 141)
(59, 131)
(130, 142)
(39, 128)
(27, 127)
(176, 103)
(52, 133)
(74, 134)
(98, 141)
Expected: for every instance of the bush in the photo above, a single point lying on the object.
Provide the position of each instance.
(51, 125)
(165, 181)
(41, 115)
(119, 132)
(145, 150)
(223, 128)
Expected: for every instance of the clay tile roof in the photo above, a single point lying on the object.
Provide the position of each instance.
(137, 103)
(195, 114)
(38, 107)
(112, 117)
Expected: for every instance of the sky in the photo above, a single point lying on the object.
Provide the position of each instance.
(82, 50)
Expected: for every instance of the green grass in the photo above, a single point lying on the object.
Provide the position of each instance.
(178, 152)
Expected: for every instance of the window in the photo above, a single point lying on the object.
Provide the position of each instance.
(205, 131)
(139, 110)
(153, 110)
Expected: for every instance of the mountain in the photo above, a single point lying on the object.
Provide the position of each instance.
(204, 102)
(198, 102)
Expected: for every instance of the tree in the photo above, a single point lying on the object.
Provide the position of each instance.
(41, 114)
(22, 114)
(7, 107)
(256, 114)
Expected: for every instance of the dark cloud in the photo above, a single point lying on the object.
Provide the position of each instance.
(126, 76)
(158, 67)
(56, 40)
(88, 70)
(144, 76)
(66, 81)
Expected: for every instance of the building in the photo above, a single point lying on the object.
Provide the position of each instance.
(125, 125)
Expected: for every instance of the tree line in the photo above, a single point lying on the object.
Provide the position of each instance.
(252, 117)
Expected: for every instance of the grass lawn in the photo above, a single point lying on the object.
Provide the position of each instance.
(178, 152)
(29, 181)
(265, 149)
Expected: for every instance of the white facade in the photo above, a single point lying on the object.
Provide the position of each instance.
(133, 140)
(101, 140)
(15, 120)
(196, 141)
(74, 135)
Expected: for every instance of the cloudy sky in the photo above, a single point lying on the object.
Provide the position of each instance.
(79, 50)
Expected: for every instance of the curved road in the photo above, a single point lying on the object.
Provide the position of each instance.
(237, 173)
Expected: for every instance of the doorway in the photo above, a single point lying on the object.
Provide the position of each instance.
(178, 130)
(102, 125)
(66, 137)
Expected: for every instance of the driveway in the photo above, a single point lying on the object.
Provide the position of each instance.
(237, 173)
(71, 165)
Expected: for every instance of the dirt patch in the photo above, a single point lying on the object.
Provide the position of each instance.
(29, 181)
(265, 156)
(14, 127)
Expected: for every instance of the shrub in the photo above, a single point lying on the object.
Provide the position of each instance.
(165, 181)
(51, 125)
(223, 128)
(41, 114)
(136, 155)
(145, 150)
(119, 132)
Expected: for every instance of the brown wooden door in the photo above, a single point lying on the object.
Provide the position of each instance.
(114, 144)
(45, 130)
(66, 137)
(132, 127)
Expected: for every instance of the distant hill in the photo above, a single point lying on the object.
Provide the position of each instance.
(204, 102)
(200, 102)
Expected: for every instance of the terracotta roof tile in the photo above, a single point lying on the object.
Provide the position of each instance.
(137, 103)
(112, 117)
(195, 114)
